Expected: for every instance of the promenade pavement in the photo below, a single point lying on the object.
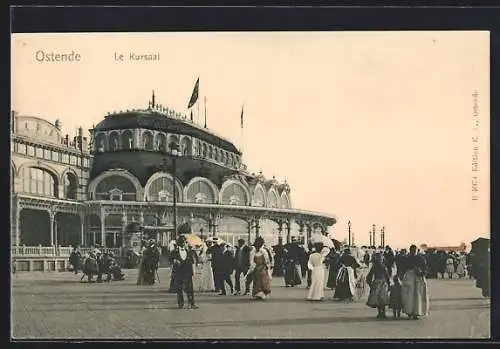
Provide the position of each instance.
(58, 306)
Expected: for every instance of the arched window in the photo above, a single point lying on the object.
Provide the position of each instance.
(114, 141)
(38, 181)
(161, 189)
(258, 198)
(116, 188)
(186, 146)
(272, 199)
(100, 142)
(173, 139)
(234, 194)
(216, 154)
(223, 157)
(70, 186)
(200, 192)
(210, 152)
(197, 148)
(204, 150)
(127, 139)
(147, 140)
(160, 142)
(285, 202)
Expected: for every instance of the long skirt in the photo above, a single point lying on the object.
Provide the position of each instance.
(346, 284)
(461, 270)
(293, 274)
(415, 295)
(450, 268)
(140, 274)
(207, 282)
(333, 271)
(261, 282)
(317, 289)
(379, 294)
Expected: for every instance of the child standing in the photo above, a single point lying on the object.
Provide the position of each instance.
(395, 298)
(378, 280)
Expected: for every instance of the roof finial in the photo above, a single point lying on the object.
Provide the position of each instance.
(153, 99)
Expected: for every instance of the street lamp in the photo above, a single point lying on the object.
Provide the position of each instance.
(175, 153)
(374, 239)
(349, 230)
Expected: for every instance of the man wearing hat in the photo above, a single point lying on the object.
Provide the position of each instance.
(184, 259)
(242, 257)
(293, 271)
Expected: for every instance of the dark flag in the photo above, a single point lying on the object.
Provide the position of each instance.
(194, 96)
(242, 116)
(191, 115)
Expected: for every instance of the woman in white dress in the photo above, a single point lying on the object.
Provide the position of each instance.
(461, 267)
(207, 282)
(317, 267)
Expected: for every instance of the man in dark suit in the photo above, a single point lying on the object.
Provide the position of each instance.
(389, 259)
(226, 269)
(242, 259)
(183, 260)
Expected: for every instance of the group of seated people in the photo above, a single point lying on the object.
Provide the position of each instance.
(96, 264)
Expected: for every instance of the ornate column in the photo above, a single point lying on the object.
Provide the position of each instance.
(82, 229)
(215, 224)
(280, 229)
(288, 231)
(103, 216)
(257, 226)
(17, 217)
(124, 227)
(52, 237)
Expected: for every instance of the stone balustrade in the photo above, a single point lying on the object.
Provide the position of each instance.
(46, 258)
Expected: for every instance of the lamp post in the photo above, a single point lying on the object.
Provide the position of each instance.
(370, 234)
(174, 152)
(382, 236)
(374, 238)
(349, 230)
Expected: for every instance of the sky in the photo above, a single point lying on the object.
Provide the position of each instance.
(371, 127)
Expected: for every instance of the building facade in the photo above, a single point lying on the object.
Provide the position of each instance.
(98, 190)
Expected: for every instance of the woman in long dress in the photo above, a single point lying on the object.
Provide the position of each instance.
(259, 270)
(316, 265)
(461, 267)
(415, 296)
(207, 282)
(140, 275)
(346, 278)
(450, 267)
(333, 268)
(378, 280)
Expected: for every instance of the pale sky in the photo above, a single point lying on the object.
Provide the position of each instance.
(372, 127)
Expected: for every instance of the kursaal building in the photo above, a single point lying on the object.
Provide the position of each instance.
(126, 181)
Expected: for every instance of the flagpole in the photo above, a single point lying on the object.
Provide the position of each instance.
(205, 112)
(241, 121)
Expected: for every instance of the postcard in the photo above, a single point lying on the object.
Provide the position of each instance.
(250, 185)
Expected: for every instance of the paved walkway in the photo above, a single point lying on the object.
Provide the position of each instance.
(57, 305)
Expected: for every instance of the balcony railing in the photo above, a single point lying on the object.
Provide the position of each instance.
(52, 251)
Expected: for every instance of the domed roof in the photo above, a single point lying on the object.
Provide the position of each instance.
(155, 120)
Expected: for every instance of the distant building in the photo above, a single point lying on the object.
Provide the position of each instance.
(79, 191)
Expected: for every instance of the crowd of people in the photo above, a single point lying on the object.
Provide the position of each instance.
(395, 279)
(224, 268)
